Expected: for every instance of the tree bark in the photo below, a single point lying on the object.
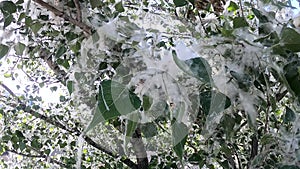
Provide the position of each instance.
(139, 149)
(87, 29)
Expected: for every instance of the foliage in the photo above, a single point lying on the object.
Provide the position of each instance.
(157, 84)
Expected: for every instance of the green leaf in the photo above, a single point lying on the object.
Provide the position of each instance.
(19, 134)
(179, 133)
(262, 18)
(232, 7)
(44, 17)
(161, 44)
(200, 69)
(22, 145)
(95, 37)
(213, 104)
(47, 151)
(70, 4)
(19, 48)
(63, 62)
(36, 27)
(224, 164)
(60, 51)
(149, 130)
(28, 21)
(266, 1)
(147, 102)
(103, 66)
(6, 138)
(228, 123)
(227, 32)
(8, 20)
(195, 157)
(196, 67)
(76, 47)
(268, 40)
(289, 115)
(62, 98)
(35, 144)
(19, 2)
(239, 22)
(8, 6)
(226, 150)
(292, 75)
(7, 75)
(95, 3)
(114, 100)
(212, 101)
(135, 100)
(21, 16)
(182, 28)
(192, 1)
(131, 125)
(53, 89)
(71, 36)
(119, 7)
(180, 3)
(3, 50)
(289, 167)
(290, 39)
(243, 80)
(267, 139)
(14, 139)
(70, 86)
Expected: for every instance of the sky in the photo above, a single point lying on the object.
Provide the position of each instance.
(296, 11)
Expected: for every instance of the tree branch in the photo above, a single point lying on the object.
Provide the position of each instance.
(242, 10)
(75, 131)
(139, 149)
(60, 74)
(26, 155)
(62, 14)
(78, 10)
(39, 156)
(254, 146)
(9, 91)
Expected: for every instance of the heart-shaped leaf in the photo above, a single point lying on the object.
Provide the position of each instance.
(290, 39)
(19, 48)
(114, 100)
(179, 132)
(180, 3)
(196, 67)
(3, 50)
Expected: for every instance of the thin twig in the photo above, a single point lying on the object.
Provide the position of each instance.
(202, 24)
(9, 91)
(39, 156)
(26, 155)
(237, 156)
(242, 10)
(60, 74)
(78, 10)
(62, 14)
(266, 129)
(30, 78)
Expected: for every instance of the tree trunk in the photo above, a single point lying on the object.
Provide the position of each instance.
(139, 149)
